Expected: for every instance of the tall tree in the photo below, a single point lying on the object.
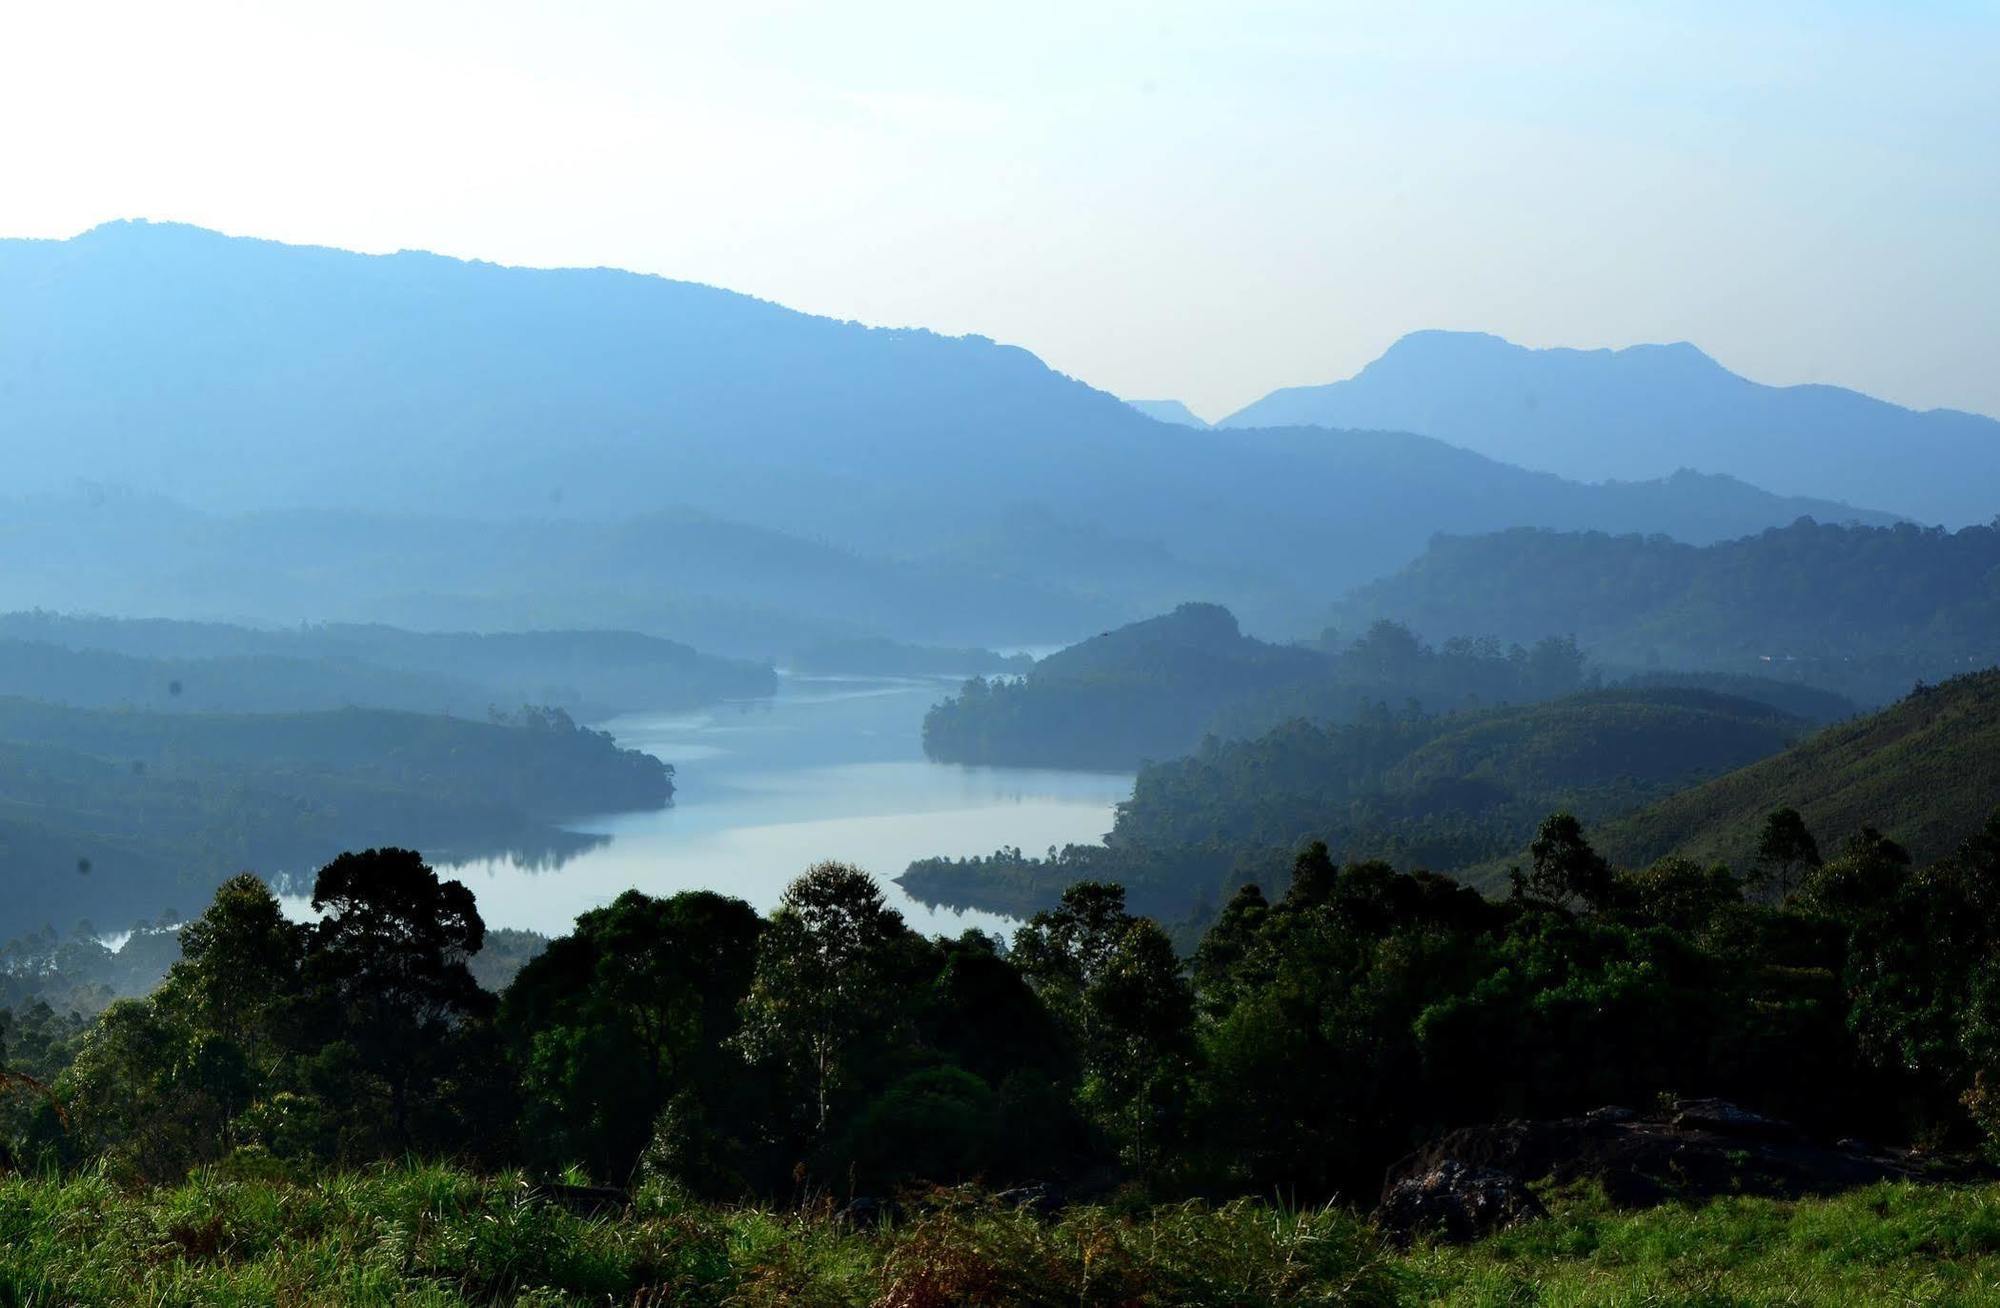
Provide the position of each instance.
(823, 981)
(389, 957)
(1786, 855)
(1566, 871)
(626, 1010)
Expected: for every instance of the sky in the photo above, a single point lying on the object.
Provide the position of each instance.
(1202, 202)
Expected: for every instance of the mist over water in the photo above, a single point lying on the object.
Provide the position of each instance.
(829, 768)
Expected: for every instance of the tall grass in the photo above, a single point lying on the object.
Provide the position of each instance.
(1887, 1244)
(425, 1235)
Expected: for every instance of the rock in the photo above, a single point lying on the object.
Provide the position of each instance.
(1696, 1149)
(1722, 1116)
(1456, 1203)
(1043, 1198)
(1611, 1113)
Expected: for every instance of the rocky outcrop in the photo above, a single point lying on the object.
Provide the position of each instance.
(1454, 1202)
(1693, 1149)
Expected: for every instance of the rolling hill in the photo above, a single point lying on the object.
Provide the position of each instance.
(1447, 792)
(196, 667)
(1645, 411)
(1925, 772)
(1865, 611)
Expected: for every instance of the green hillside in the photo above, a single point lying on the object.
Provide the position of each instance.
(1925, 771)
(1444, 793)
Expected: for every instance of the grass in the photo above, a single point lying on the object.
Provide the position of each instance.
(421, 1235)
(1887, 1244)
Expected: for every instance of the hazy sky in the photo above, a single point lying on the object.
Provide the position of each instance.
(1200, 201)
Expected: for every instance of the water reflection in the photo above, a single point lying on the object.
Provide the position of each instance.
(828, 768)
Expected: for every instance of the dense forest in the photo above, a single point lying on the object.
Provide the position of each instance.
(1865, 611)
(1321, 1029)
(1438, 791)
(112, 814)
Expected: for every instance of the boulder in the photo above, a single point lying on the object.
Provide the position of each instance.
(1691, 1149)
(1455, 1202)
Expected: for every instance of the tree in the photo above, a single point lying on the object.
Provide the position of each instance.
(631, 1007)
(823, 980)
(1225, 947)
(1139, 1043)
(1567, 872)
(1064, 949)
(1313, 875)
(239, 967)
(388, 959)
(1786, 854)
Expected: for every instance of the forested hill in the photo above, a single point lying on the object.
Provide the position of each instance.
(1644, 411)
(1867, 611)
(1925, 772)
(1143, 691)
(114, 815)
(1154, 689)
(1439, 792)
(161, 665)
(413, 386)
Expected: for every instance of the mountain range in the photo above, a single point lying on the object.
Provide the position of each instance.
(1645, 411)
(407, 434)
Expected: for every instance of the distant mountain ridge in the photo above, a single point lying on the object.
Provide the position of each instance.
(1170, 411)
(1644, 411)
(275, 385)
(1862, 610)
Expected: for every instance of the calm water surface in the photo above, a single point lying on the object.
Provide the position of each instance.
(830, 768)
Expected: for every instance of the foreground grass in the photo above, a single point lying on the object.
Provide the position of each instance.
(1888, 1244)
(433, 1236)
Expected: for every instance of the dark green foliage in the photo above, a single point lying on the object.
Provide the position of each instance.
(388, 963)
(1451, 792)
(1564, 870)
(111, 812)
(1314, 1037)
(634, 1006)
(1786, 853)
(824, 986)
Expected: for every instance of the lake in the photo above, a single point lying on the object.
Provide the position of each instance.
(829, 768)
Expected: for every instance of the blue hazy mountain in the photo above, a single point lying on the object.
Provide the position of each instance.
(268, 383)
(1169, 411)
(1645, 411)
